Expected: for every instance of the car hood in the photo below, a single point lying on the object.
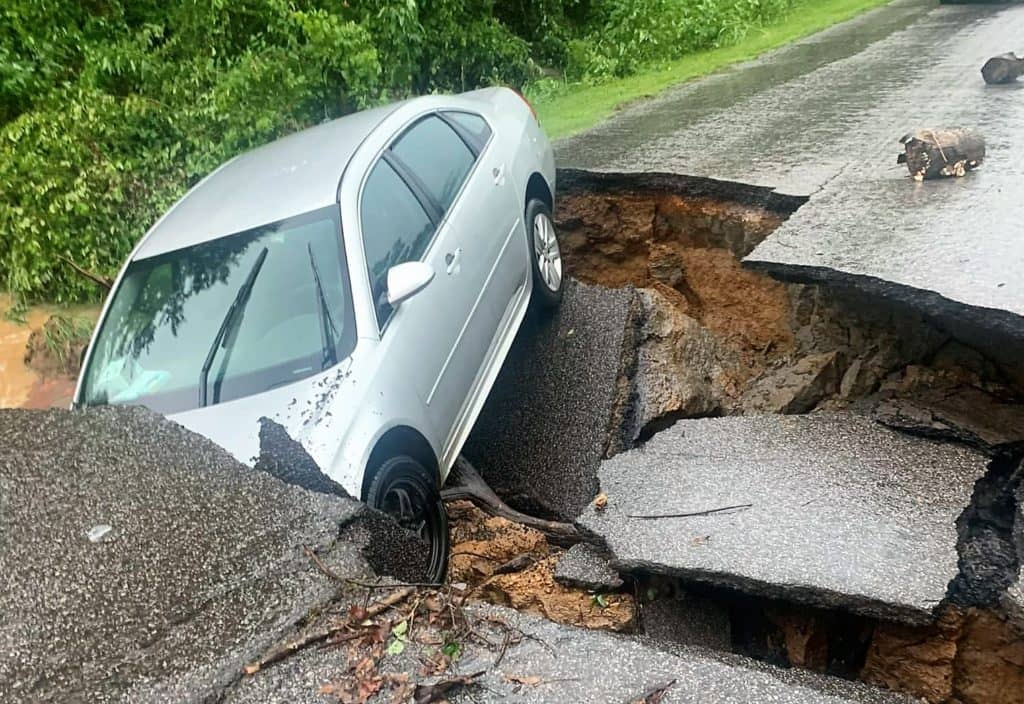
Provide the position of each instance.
(312, 411)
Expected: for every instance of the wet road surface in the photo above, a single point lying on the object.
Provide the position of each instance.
(823, 117)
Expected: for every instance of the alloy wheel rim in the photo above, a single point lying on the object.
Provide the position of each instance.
(546, 251)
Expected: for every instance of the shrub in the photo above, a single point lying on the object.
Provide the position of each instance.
(111, 109)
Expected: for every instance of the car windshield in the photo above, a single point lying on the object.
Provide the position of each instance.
(226, 318)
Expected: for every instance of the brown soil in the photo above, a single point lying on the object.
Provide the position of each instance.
(973, 658)
(30, 375)
(688, 249)
(774, 347)
(53, 350)
(482, 544)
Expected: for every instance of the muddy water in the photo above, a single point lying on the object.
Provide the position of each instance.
(21, 387)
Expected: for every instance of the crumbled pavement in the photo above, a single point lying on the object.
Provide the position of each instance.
(552, 663)
(587, 567)
(556, 408)
(1012, 602)
(195, 564)
(842, 512)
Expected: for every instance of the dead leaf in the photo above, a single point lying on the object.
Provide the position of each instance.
(653, 696)
(528, 680)
(426, 693)
(600, 502)
(701, 539)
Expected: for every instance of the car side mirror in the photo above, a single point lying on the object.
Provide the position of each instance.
(407, 279)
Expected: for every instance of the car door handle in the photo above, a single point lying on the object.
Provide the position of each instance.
(498, 172)
(452, 260)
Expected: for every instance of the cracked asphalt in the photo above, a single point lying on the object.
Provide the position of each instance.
(837, 510)
(822, 118)
(195, 564)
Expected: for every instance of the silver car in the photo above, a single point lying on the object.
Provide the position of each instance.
(358, 284)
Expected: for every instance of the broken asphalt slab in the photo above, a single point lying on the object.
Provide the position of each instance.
(141, 561)
(836, 511)
(586, 567)
(563, 664)
(557, 407)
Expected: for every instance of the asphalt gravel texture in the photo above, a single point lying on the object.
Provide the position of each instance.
(834, 510)
(822, 118)
(586, 567)
(141, 561)
(575, 665)
(556, 407)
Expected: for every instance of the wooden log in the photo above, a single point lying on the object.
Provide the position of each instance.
(1002, 69)
(940, 153)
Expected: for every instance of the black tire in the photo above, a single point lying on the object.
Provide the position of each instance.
(545, 296)
(404, 489)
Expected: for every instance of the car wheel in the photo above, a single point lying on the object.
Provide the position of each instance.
(405, 490)
(545, 254)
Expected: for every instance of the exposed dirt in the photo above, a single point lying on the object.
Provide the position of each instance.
(717, 338)
(55, 349)
(686, 249)
(970, 656)
(506, 563)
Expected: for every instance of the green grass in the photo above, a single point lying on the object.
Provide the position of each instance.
(576, 107)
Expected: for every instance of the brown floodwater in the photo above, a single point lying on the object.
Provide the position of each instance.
(21, 387)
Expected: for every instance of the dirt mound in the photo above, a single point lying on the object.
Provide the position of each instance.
(508, 564)
(55, 349)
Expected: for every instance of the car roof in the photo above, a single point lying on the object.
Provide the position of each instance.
(292, 175)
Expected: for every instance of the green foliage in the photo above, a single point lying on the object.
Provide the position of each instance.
(65, 336)
(111, 109)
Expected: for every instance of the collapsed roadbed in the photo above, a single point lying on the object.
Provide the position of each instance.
(805, 473)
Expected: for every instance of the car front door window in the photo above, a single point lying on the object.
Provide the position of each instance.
(395, 229)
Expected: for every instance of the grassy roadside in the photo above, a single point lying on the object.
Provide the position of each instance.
(578, 107)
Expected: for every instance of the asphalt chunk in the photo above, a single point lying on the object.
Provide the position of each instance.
(140, 561)
(586, 567)
(827, 509)
(557, 407)
(553, 663)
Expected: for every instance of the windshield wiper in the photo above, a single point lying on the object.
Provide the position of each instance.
(328, 331)
(241, 298)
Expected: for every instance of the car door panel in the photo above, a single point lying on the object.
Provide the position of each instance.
(418, 335)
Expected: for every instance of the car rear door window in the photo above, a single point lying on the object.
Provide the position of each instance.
(475, 127)
(437, 157)
(395, 228)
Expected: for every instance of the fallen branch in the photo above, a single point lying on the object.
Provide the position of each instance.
(516, 564)
(652, 696)
(464, 482)
(95, 278)
(290, 647)
(426, 693)
(709, 512)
